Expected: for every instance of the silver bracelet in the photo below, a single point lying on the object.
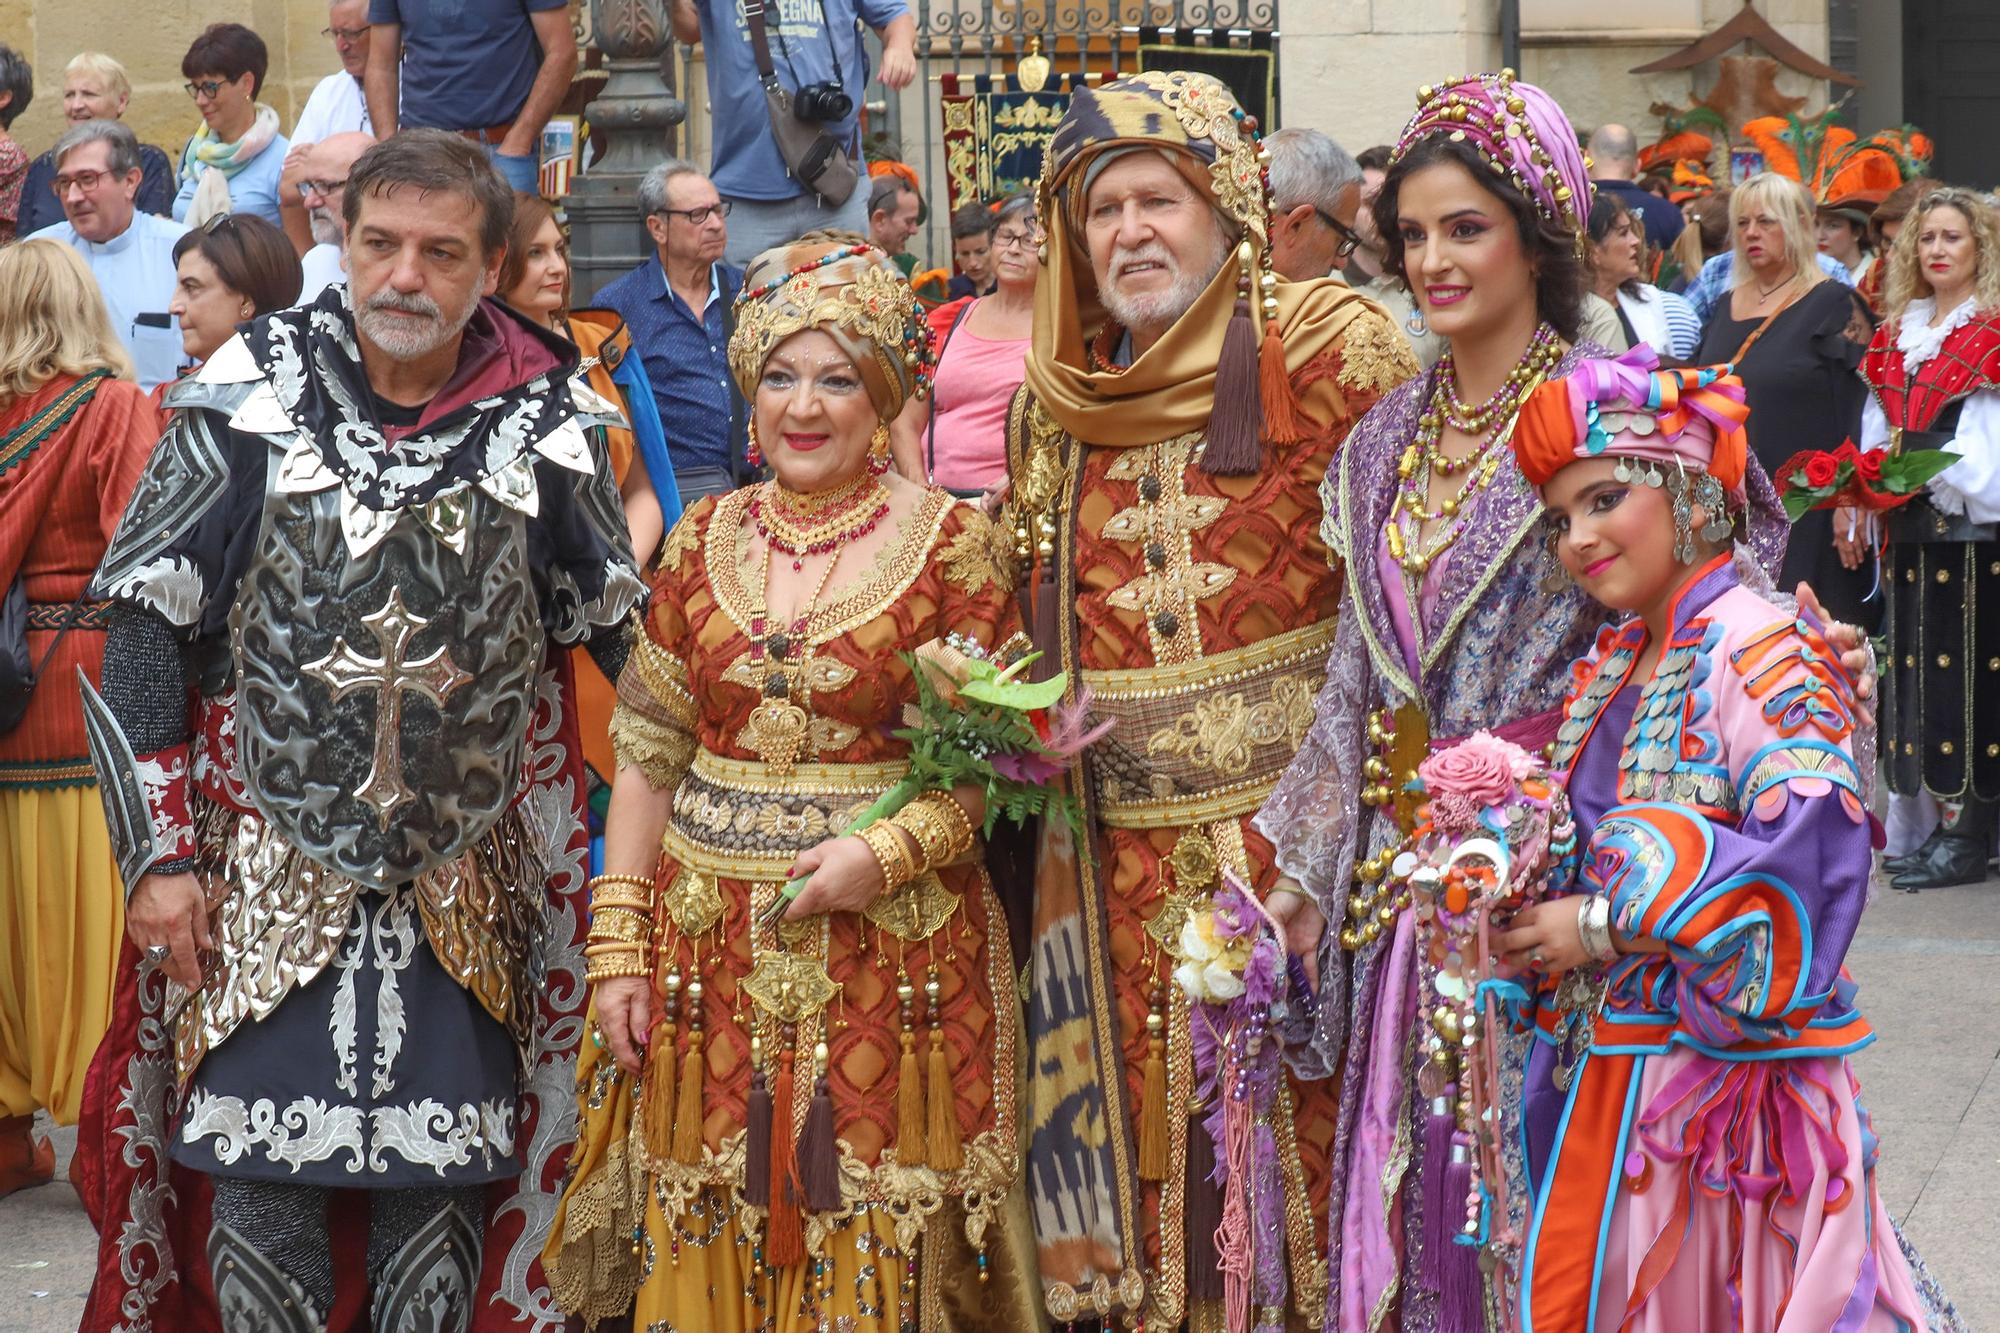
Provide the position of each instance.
(1593, 927)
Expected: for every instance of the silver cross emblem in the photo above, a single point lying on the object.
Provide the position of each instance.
(389, 677)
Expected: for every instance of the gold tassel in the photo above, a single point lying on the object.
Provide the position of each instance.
(942, 1146)
(658, 1110)
(1153, 1103)
(909, 1086)
(688, 1107)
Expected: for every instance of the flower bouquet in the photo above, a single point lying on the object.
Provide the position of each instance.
(1243, 987)
(1494, 835)
(977, 723)
(1853, 478)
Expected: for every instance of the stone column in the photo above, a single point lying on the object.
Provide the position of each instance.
(634, 120)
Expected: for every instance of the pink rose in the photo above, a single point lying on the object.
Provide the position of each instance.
(1482, 768)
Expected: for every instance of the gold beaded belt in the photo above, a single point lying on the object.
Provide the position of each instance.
(739, 819)
(1204, 740)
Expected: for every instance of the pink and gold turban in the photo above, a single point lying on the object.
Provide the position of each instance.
(1629, 408)
(1519, 131)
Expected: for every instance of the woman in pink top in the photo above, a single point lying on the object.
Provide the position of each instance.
(983, 353)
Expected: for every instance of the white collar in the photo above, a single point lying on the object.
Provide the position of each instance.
(1918, 340)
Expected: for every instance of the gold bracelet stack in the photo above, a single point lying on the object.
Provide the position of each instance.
(899, 865)
(621, 927)
(938, 825)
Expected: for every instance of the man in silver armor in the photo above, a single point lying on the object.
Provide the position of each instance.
(335, 591)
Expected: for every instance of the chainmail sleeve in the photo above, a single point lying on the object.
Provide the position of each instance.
(145, 679)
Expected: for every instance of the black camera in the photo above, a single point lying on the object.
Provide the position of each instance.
(822, 102)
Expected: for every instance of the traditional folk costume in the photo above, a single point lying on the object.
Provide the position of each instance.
(1178, 567)
(1698, 1154)
(375, 784)
(826, 1132)
(1939, 388)
(70, 453)
(1436, 641)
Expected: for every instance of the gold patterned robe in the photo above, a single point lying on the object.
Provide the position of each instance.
(694, 713)
(1203, 613)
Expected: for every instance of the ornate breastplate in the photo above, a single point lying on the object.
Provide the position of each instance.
(387, 669)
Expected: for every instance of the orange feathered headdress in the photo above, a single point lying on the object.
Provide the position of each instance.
(1834, 163)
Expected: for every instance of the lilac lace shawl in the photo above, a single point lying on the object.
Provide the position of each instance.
(1497, 646)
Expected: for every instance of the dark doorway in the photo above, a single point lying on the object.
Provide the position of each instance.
(1951, 49)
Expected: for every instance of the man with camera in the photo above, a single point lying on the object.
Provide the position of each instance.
(784, 92)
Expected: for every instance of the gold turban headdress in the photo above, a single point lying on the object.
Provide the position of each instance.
(851, 293)
(1209, 372)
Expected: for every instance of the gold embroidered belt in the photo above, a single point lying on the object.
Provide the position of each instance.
(1205, 740)
(740, 819)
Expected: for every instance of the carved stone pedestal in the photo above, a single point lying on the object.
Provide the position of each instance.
(634, 120)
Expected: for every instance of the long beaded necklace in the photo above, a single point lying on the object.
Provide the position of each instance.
(803, 525)
(1492, 419)
(779, 726)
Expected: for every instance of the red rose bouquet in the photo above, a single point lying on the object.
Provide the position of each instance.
(1853, 478)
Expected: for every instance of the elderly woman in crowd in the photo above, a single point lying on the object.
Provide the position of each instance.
(1795, 338)
(95, 87)
(232, 163)
(982, 357)
(231, 269)
(75, 431)
(785, 1166)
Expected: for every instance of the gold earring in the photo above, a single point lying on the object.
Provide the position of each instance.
(878, 443)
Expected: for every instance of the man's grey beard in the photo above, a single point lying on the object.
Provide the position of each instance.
(1153, 313)
(325, 226)
(400, 340)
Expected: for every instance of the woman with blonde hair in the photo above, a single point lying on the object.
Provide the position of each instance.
(1796, 339)
(75, 431)
(95, 87)
(1933, 374)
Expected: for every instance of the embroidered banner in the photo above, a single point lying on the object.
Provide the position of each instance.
(995, 133)
(1249, 72)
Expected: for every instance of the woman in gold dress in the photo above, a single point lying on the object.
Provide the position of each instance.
(813, 1124)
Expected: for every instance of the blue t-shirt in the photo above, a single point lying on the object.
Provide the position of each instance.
(467, 64)
(253, 189)
(745, 162)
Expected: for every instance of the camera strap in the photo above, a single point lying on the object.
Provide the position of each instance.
(812, 155)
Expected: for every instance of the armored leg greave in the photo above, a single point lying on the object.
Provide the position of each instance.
(423, 1258)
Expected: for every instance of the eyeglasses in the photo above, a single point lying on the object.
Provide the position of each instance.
(325, 189)
(206, 87)
(344, 34)
(697, 216)
(1015, 240)
(87, 181)
(1349, 242)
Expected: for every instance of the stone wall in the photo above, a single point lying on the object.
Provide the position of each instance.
(149, 37)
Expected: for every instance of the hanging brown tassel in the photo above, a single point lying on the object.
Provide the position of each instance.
(1203, 1207)
(1284, 417)
(943, 1147)
(1153, 1101)
(757, 1131)
(909, 1087)
(1235, 419)
(784, 1241)
(818, 1157)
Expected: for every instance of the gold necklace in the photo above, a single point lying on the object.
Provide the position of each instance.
(780, 726)
(813, 524)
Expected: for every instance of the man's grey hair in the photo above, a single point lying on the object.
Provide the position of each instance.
(886, 195)
(1613, 146)
(124, 145)
(1307, 167)
(653, 185)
